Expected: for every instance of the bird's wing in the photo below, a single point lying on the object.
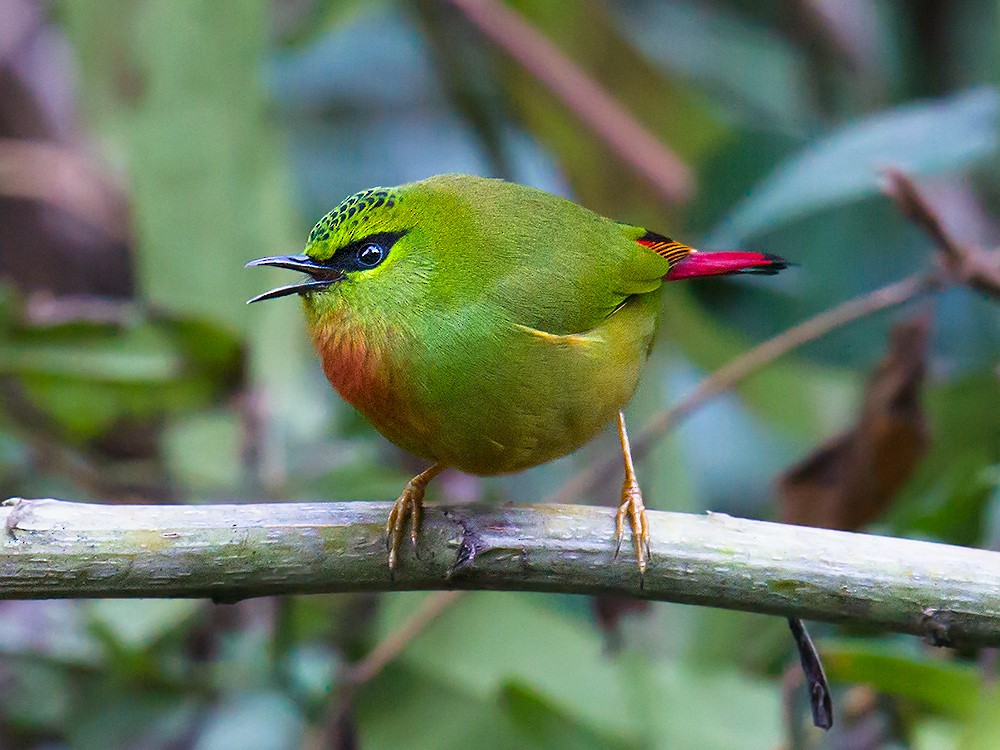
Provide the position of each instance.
(575, 276)
(541, 260)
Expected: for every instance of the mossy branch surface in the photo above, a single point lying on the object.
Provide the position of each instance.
(58, 549)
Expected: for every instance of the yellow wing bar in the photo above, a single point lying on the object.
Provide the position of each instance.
(671, 250)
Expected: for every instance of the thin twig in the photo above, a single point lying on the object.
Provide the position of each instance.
(586, 98)
(978, 268)
(62, 177)
(338, 714)
(915, 207)
(746, 364)
(393, 644)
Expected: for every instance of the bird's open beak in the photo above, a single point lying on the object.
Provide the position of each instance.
(322, 276)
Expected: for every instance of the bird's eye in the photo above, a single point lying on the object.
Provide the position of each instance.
(370, 255)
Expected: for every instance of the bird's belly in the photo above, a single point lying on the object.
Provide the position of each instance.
(526, 432)
(536, 396)
(489, 404)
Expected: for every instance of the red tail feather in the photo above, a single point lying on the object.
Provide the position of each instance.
(725, 262)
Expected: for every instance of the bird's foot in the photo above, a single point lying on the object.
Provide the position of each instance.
(409, 503)
(634, 509)
(631, 506)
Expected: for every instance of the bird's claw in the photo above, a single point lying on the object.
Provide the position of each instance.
(409, 503)
(633, 507)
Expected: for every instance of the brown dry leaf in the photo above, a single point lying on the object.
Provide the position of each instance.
(847, 482)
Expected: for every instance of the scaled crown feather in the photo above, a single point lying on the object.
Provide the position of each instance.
(347, 218)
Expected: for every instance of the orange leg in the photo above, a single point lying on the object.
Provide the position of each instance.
(410, 502)
(631, 506)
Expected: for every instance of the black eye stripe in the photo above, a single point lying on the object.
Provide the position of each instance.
(351, 257)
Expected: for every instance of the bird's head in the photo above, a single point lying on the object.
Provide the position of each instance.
(367, 255)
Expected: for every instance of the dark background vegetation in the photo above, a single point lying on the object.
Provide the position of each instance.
(148, 148)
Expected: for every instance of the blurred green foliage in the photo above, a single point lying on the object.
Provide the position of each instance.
(234, 125)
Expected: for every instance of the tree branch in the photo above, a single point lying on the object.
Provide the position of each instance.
(57, 549)
(606, 117)
(976, 267)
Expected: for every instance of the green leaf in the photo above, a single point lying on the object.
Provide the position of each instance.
(245, 658)
(762, 76)
(946, 687)
(202, 451)
(935, 734)
(554, 654)
(85, 376)
(254, 721)
(924, 138)
(36, 696)
(139, 355)
(983, 732)
(407, 707)
(311, 672)
(489, 642)
(54, 630)
(137, 624)
(109, 713)
(947, 497)
(178, 87)
(714, 710)
(13, 453)
(540, 722)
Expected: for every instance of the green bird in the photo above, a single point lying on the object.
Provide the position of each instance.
(487, 326)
